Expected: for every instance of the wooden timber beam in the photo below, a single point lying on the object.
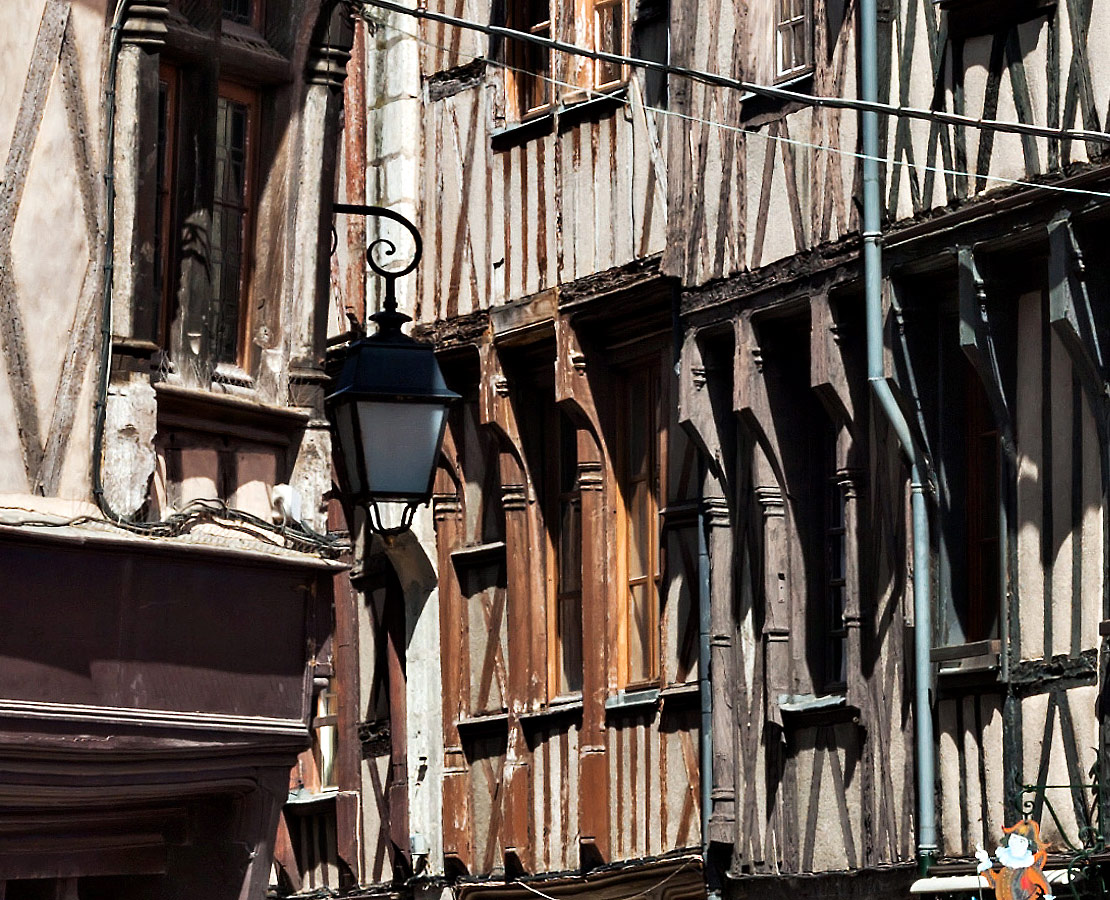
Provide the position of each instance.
(574, 388)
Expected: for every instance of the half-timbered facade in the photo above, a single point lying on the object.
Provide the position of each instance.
(991, 341)
(163, 297)
(550, 707)
(650, 292)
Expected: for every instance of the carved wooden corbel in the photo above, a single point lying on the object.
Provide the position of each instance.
(828, 374)
(696, 410)
(750, 400)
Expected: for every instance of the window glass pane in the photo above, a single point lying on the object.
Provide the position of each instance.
(799, 43)
(570, 644)
(610, 38)
(536, 12)
(534, 82)
(238, 11)
(639, 639)
(229, 219)
(638, 425)
(836, 556)
(570, 545)
(568, 455)
(638, 530)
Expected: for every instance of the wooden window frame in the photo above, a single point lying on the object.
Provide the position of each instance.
(983, 595)
(836, 579)
(325, 736)
(786, 24)
(621, 49)
(557, 495)
(650, 373)
(519, 74)
(589, 77)
(248, 97)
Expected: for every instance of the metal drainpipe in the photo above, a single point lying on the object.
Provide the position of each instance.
(872, 269)
(704, 687)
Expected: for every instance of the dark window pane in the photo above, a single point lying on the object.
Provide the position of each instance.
(570, 644)
(538, 11)
(639, 638)
(610, 38)
(239, 11)
(229, 219)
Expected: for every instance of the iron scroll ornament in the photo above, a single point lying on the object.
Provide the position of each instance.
(389, 320)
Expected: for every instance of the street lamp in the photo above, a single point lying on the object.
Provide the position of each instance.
(388, 403)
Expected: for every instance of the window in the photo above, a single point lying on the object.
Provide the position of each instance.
(242, 12)
(325, 742)
(639, 462)
(231, 217)
(530, 87)
(565, 617)
(531, 76)
(609, 29)
(793, 38)
(164, 188)
(836, 580)
(981, 607)
(963, 440)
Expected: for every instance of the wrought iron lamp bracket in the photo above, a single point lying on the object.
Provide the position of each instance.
(389, 320)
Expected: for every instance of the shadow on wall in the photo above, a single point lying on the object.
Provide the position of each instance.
(415, 573)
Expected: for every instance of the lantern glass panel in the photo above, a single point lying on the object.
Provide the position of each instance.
(346, 424)
(400, 442)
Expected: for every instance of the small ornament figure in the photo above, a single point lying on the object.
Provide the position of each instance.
(1022, 859)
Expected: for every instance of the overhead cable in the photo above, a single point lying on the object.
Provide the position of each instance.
(761, 90)
(764, 134)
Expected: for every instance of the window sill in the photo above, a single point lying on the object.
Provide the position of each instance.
(237, 416)
(302, 797)
(632, 701)
(568, 708)
(591, 107)
(755, 109)
(973, 657)
(580, 107)
(517, 133)
(478, 553)
(808, 703)
(488, 722)
(812, 709)
(680, 696)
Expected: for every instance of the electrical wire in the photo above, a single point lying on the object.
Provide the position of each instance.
(796, 142)
(687, 864)
(294, 535)
(762, 90)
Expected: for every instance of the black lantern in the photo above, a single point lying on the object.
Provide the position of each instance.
(388, 404)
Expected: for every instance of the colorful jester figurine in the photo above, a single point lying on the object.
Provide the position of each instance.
(1021, 876)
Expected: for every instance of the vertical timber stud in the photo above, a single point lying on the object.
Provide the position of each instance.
(496, 411)
(137, 316)
(573, 388)
(699, 416)
(348, 774)
(1083, 328)
(447, 514)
